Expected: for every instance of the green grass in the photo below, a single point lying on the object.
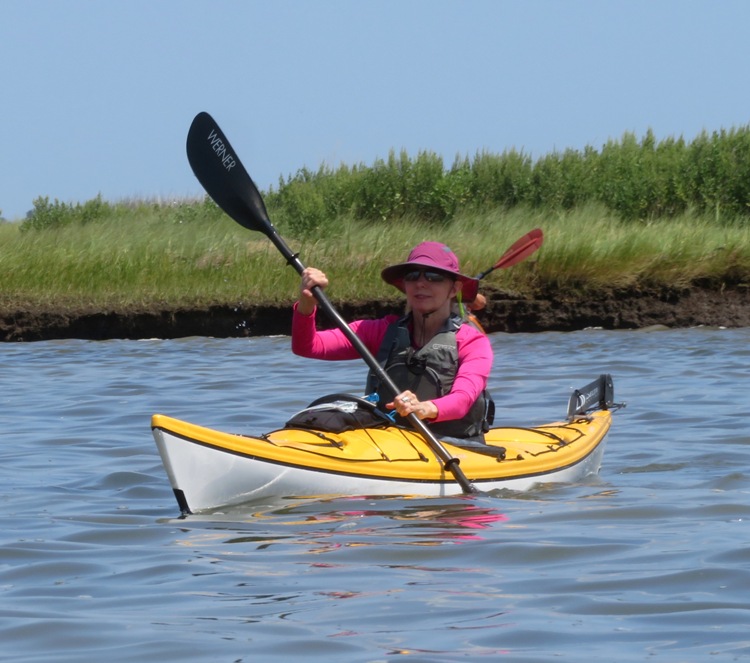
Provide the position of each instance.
(632, 178)
(633, 214)
(587, 251)
(144, 256)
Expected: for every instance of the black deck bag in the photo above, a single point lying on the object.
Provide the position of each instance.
(337, 413)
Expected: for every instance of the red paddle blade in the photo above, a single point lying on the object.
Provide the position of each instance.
(520, 250)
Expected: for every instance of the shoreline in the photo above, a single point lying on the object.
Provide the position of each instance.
(505, 312)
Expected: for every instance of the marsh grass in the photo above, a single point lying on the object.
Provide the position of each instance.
(682, 252)
(149, 257)
(637, 213)
(632, 178)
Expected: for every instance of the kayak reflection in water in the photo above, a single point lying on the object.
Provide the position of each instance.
(440, 363)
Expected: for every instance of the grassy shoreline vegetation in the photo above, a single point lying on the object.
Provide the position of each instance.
(638, 213)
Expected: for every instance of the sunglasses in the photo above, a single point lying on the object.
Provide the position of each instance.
(429, 276)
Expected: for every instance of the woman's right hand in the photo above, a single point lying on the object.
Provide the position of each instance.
(311, 277)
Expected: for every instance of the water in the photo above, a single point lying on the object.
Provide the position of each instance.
(650, 561)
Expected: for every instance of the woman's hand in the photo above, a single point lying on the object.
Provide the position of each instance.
(311, 277)
(406, 403)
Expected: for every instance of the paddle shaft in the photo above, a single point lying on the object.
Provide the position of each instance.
(225, 179)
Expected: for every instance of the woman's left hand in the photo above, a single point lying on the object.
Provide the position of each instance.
(407, 403)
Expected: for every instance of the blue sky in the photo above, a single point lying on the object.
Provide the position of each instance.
(97, 96)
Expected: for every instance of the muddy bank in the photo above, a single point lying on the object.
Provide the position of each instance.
(631, 309)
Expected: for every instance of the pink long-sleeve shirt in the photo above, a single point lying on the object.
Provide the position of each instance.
(474, 356)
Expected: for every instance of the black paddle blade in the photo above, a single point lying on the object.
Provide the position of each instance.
(223, 176)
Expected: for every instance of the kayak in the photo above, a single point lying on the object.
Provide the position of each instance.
(209, 468)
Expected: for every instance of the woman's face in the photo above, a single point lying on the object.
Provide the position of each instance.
(428, 290)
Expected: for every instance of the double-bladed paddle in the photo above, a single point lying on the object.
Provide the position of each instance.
(225, 179)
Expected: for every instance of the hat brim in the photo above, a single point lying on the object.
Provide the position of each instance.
(394, 275)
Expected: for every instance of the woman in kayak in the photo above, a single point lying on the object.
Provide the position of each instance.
(440, 364)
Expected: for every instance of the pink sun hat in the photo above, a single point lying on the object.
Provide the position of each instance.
(432, 255)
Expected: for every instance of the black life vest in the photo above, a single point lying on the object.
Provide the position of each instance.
(429, 372)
